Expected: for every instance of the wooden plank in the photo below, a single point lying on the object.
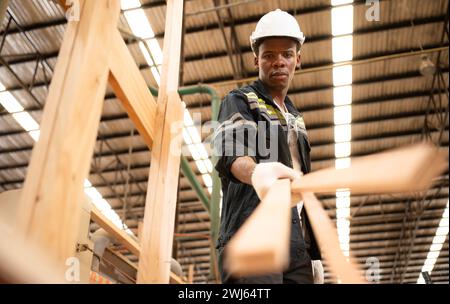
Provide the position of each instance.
(174, 279)
(121, 236)
(53, 190)
(160, 208)
(261, 245)
(159, 216)
(325, 231)
(22, 262)
(130, 87)
(190, 278)
(400, 170)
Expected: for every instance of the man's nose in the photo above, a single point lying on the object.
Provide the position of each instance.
(279, 61)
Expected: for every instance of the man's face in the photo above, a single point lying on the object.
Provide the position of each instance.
(276, 61)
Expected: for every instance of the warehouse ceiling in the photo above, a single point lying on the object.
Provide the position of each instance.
(393, 104)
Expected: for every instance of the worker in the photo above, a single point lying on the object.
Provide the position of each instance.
(261, 137)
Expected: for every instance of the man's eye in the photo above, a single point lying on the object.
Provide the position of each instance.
(288, 55)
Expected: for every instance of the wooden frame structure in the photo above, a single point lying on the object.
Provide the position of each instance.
(93, 53)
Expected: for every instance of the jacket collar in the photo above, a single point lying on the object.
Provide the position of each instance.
(260, 88)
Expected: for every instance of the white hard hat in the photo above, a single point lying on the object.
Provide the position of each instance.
(277, 23)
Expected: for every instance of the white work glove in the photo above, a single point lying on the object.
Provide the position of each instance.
(317, 271)
(266, 174)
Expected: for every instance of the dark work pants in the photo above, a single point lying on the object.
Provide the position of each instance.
(298, 272)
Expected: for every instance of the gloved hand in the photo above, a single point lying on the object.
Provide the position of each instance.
(265, 174)
(317, 271)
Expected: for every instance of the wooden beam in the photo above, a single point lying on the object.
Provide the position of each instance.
(22, 262)
(261, 245)
(347, 271)
(131, 89)
(399, 170)
(160, 207)
(53, 191)
(191, 274)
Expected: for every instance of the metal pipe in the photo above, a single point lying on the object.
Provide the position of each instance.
(187, 171)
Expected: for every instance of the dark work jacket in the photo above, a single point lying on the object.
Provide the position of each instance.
(240, 112)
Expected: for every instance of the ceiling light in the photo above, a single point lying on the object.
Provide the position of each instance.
(138, 22)
(342, 163)
(342, 75)
(26, 121)
(129, 4)
(342, 133)
(9, 102)
(342, 95)
(342, 48)
(342, 20)
(342, 115)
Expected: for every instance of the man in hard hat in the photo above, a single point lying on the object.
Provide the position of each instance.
(262, 138)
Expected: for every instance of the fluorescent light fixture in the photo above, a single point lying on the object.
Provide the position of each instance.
(26, 121)
(342, 48)
(344, 237)
(194, 134)
(432, 255)
(146, 54)
(155, 49)
(342, 115)
(111, 214)
(201, 166)
(194, 153)
(436, 247)
(342, 133)
(208, 165)
(341, 223)
(2, 87)
(129, 4)
(340, 2)
(201, 149)
(342, 212)
(442, 231)
(9, 102)
(35, 134)
(345, 246)
(343, 192)
(187, 137)
(188, 119)
(207, 179)
(439, 239)
(209, 190)
(342, 202)
(87, 183)
(342, 20)
(342, 75)
(93, 193)
(138, 22)
(342, 95)
(101, 204)
(156, 75)
(342, 163)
